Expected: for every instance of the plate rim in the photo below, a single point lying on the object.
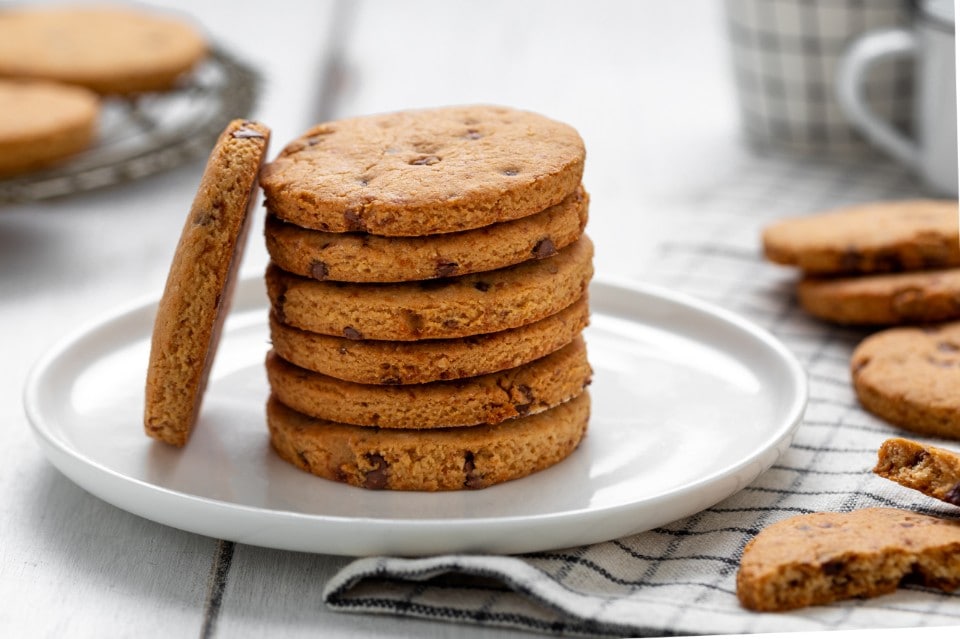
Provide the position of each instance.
(61, 454)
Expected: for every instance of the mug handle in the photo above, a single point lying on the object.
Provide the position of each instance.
(865, 51)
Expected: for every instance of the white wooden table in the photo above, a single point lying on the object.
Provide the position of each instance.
(648, 86)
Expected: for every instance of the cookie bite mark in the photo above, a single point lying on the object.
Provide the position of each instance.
(819, 558)
(931, 470)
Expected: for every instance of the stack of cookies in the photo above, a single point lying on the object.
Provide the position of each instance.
(428, 284)
(882, 263)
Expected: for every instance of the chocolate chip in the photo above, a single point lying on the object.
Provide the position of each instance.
(353, 221)
(424, 160)
(342, 350)
(319, 270)
(244, 133)
(472, 134)
(953, 495)
(832, 568)
(447, 269)
(523, 407)
(920, 457)
(391, 380)
(471, 478)
(351, 333)
(376, 478)
(511, 172)
(413, 320)
(482, 286)
(544, 248)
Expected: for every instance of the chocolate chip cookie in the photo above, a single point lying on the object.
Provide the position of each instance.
(913, 297)
(438, 309)
(444, 459)
(820, 558)
(486, 399)
(869, 238)
(199, 285)
(387, 362)
(361, 257)
(909, 376)
(424, 172)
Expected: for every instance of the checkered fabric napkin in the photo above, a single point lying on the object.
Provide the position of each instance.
(680, 578)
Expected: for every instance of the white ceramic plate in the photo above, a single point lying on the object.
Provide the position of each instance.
(690, 404)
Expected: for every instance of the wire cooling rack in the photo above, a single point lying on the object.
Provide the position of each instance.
(149, 133)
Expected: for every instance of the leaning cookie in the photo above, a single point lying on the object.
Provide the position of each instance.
(110, 50)
(195, 300)
(444, 459)
(486, 399)
(909, 376)
(360, 257)
(43, 123)
(424, 172)
(888, 299)
(820, 558)
(435, 309)
(868, 238)
(931, 470)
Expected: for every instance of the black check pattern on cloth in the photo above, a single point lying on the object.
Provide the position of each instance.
(679, 579)
(785, 55)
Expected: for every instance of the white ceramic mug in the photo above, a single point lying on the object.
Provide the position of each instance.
(931, 149)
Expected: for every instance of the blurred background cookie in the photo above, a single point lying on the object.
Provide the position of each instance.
(913, 297)
(110, 50)
(868, 238)
(42, 123)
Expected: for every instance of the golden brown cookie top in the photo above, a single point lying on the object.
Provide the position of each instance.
(869, 238)
(423, 172)
(199, 285)
(107, 49)
(909, 376)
